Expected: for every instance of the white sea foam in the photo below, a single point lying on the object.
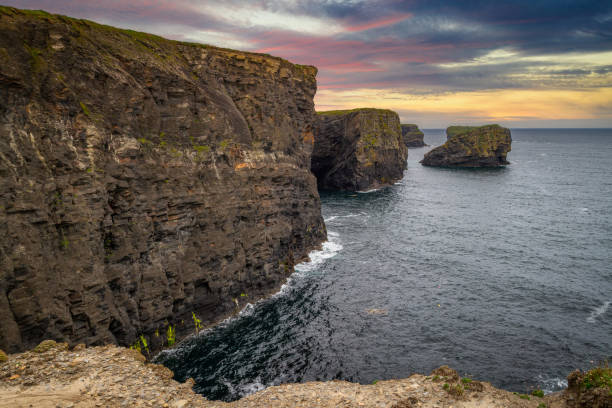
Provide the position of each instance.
(247, 310)
(244, 390)
(598, 311)
(335, 217)
(329, 250)
(550, 385)
(584, 209)
(370, 191)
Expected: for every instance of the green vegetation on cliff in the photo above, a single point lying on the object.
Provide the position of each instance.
(151, 42)
(346, 111)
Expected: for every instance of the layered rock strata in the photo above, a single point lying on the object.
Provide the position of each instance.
(144, 180)
(466, 146)
(358, 149)
(413, 136)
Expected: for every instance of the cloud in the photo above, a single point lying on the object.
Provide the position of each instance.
(419, 48)
(502, 106)
(383, 22)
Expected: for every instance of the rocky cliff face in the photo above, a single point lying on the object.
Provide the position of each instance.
(358, 149)
(484, 146)
(412, 135)
(144, 179)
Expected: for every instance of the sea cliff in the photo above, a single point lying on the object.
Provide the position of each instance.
(145, 182)
(358, 149)
(412, 135)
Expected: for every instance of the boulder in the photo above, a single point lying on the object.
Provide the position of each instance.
(467, 146)
(359, 149)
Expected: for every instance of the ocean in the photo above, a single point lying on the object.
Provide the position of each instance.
(503, 274)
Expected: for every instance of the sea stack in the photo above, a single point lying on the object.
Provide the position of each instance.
(412, 136)
(144, 181)
(358, 150)
(468, 146)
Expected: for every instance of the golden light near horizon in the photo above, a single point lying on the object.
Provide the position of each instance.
(494, 105)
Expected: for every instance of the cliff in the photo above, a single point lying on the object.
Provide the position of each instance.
(466, 146)
(358, 149)
(52, 376)
(412, 136)
(144, 180)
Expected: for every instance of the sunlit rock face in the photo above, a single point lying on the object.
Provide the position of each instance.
(144, 179)
(466, 146)
(358, 149)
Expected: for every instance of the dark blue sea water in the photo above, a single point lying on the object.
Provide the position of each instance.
(502, 274)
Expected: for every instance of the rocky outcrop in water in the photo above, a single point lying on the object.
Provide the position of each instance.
(143, 180)
(412, 136)
(358, 149)
(467, 146)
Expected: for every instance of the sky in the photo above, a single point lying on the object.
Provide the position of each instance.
(536, 63)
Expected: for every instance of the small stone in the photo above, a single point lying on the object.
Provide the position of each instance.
(180, 404)
(45, 346)
(79, 347)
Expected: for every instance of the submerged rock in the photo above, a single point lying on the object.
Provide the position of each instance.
(412, 136)
(467, 146)
(143, 180)
(359, 149)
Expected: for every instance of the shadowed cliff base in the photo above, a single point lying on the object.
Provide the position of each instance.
(358, 149)
(145, 182)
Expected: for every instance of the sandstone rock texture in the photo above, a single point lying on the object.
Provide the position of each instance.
(144, 179)
(111, 376)
(358, 149)
(466, 146)
(412, 136)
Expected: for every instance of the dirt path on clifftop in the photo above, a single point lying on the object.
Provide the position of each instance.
(111, 376)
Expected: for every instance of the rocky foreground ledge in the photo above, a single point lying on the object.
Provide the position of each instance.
(51, 375)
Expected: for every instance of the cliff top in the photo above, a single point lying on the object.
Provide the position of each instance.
(145, 38)
(457, 130)
(347, 111)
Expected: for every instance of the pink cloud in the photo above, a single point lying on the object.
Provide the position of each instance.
(383, 22)
(355, 66)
